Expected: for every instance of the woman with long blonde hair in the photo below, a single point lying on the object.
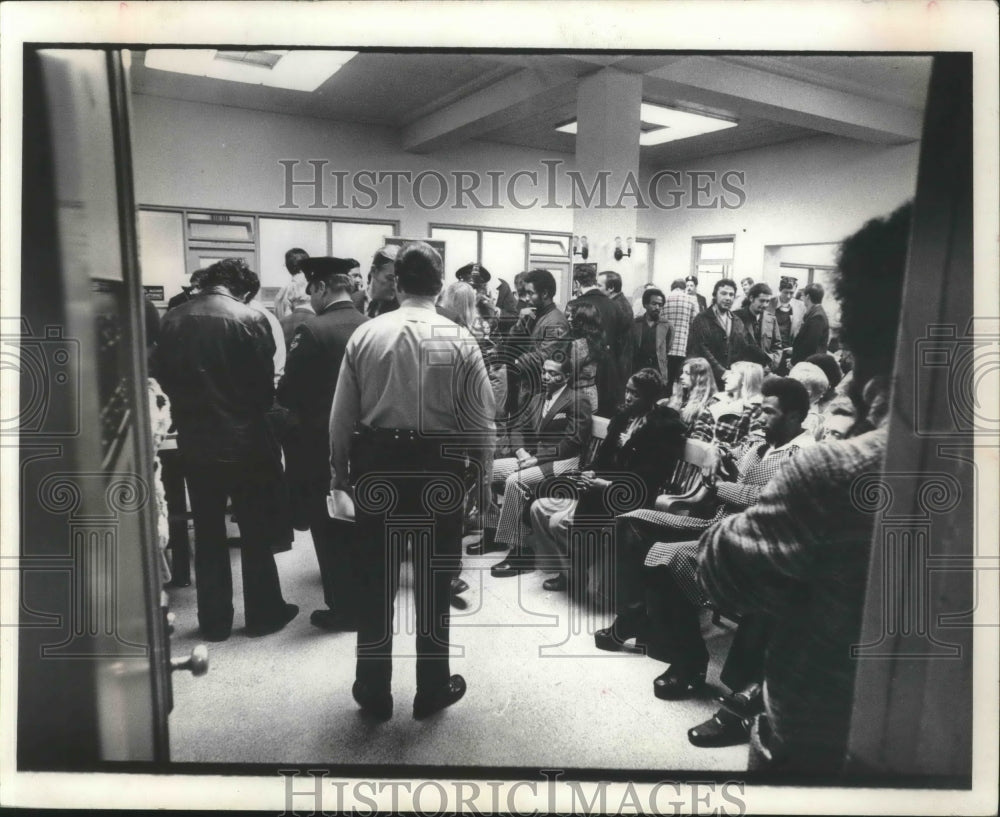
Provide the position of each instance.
(697, 384)
(732, 414)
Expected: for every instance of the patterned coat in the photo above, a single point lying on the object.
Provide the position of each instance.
(800, 557)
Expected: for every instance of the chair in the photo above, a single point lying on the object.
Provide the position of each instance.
(598, 433)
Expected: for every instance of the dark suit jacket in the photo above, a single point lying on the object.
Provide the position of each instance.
(707, 339)
(770, 335)
(664, 331)
(310, 379)
(609, 381)
(813, 336)
(562, 433)
(384, 306)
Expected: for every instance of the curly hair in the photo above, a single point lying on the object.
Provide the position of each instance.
(649, 384)
(871, 266)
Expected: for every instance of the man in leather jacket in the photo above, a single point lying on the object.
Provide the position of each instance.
(215, 362)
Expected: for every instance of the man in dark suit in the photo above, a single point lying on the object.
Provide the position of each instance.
(610, 283)
(649, 337)
(719, 337)
(307, 389)
(379, 296)
(761, 324)
(551, 435)
(814, 334)
(610, 386)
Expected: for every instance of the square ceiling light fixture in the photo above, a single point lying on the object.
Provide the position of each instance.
(658, 124)
(294, 70)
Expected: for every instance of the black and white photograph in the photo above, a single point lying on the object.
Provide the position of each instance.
(528, 408)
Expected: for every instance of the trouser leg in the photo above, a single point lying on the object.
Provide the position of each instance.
(208, 491)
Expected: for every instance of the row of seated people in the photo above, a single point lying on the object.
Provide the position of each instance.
(748, 433)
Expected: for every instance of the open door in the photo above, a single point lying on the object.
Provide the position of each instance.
(93, 674)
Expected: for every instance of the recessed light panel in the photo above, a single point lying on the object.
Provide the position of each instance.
(293, 70)
(659, 124)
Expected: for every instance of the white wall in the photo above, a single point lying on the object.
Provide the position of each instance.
(810, 191)
(196, 155)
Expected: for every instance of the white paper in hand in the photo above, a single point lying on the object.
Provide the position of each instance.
(339, 505)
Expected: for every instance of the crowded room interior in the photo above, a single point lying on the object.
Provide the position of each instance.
(502, 410)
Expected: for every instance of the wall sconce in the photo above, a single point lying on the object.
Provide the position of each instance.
(619, 253)
(580, 247)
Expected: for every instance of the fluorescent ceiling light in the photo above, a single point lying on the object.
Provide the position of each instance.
(294, 70)
(659, 124)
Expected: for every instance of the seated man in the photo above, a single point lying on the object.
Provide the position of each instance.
(641, 449)
(551, 433)
(783, 409)
(800, 556)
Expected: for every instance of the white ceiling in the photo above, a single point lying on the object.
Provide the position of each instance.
(440, 99)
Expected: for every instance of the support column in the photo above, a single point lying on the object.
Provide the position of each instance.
(607, 161)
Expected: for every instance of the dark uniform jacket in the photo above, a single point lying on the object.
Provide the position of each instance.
(310, 378)
(215, 361)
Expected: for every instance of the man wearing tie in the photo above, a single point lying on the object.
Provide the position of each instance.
(552, 434)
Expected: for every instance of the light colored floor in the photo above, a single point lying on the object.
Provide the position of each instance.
(539, 693)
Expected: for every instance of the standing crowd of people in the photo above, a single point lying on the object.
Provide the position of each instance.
(440, 409)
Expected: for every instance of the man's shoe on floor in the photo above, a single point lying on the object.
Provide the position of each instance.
(678, 682)
(722, 729)
(458, 586)
(214, 635)
(516, 563)
(291, 611)
(333, 622)
(487, 544)
(614, 638)
(555, 583)
(426, 705)
(378, 706)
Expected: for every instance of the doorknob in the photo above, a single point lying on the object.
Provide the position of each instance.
(197, 662)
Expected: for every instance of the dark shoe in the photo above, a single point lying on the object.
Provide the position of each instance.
(458, 586)
(291, 611)
(378, 706)
(174, 583)
(722, 729)
(613, 638)
(678, 682)
(214, 635)
(458, 602)
(487, 544)
(745, 704)
(516, 563)
(555, 583)
(426, 705)
(333, 622)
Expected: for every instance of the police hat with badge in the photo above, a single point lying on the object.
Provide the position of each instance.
(334, 272)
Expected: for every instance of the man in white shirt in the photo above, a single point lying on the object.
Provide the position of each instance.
(293, 262)
(413, 400)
